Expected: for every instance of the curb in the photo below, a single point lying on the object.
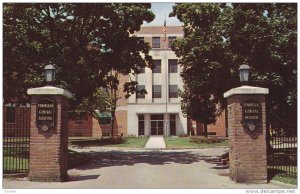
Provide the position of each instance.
(284, 184)
(127, 148)
(16, 175)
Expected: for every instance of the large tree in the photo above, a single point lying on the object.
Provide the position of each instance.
(72, 37)
(218, 38)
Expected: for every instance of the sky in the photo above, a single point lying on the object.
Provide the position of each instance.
(161, 11)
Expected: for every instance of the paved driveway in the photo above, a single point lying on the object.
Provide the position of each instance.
(146, 169)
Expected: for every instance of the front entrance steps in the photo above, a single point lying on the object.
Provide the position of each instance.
(222, 162)
(156, 142)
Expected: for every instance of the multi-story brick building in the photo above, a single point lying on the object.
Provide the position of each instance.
(159, 111)
(156, 113)
(87, 125)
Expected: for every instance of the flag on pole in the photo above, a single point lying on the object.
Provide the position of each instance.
(164, 31)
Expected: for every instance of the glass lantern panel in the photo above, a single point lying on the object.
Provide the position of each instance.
(244, 75)
(49, 75)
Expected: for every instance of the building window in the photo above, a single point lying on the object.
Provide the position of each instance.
(11, 118)
(141, 39)
(104, 120)
(139, 93)
(141, 124)
(157, 68)
(170, 40)
(155, 42)
(173, 91)
(172, 65)
(172, 124)
(79, 118)
(141, 70)
(156, 91)
(105, 133)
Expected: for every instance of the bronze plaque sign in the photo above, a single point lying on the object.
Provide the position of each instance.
(45, 114)
(251, 114)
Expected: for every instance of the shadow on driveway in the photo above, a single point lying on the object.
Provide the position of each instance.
(115, 158)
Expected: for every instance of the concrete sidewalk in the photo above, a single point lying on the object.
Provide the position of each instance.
(155, 142)
(146, 169)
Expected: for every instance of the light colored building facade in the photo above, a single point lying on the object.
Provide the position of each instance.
(159, 111)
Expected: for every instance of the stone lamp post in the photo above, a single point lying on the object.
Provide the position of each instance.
(49, 131)
(247, 131)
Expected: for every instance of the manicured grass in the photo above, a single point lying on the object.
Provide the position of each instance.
(279, 173)
(12, 164)
(131, 142)
(16, 139)
(184, 142)
(15, 158)
(283, 179)
(134, 142)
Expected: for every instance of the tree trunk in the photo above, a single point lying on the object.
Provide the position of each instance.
(205, 130)
(113, 112)
(268, 127)
(112, 123)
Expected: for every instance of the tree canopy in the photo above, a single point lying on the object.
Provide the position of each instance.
(220, 37)
(84, 41)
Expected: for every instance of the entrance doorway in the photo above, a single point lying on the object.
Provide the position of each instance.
(157, 124)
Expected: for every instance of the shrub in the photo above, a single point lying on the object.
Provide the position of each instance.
(183, 135)
(207, 140)
(131, 135)
(114, 140)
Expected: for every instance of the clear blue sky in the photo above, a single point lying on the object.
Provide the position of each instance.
(162, 10)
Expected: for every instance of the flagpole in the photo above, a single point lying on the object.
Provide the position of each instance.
(167, 65)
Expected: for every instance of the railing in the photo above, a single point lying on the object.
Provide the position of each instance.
(282, 155)
(16, 140)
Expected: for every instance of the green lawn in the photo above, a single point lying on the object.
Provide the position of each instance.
(131, 142)
(134, 142)
(278, 173)
(283, 179)
(184, 142)
(14, 159)
(16, 139)
(12, 164)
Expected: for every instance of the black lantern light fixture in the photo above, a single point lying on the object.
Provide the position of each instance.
(244, 73)
(50, 73)
(105, 49)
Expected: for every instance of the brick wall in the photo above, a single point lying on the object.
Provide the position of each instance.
(49, 150)
(90, 126)
(156, 31)
(21, 124)
(120, 125)
(217, 129)
(83, 129)
(247, 156)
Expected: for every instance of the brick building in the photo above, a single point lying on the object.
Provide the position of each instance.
(156, 113)
(159, 111)
(88, 126)
(16, 121)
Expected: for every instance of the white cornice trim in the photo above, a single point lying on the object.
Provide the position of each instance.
(157, 35)
(49, 90)
(246, 90)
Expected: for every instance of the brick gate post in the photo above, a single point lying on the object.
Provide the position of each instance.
(48, 134)
(247, 134)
